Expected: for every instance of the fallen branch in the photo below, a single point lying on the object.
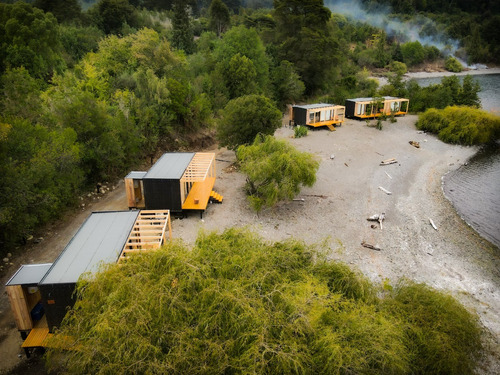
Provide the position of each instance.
(433, 225)
(388, 161)
(388, 175)
(385, 190)
(414, 144)
(370, 246)
(381, 218)
(315, 195)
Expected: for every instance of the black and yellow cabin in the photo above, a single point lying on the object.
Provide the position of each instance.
(317, 115)
(40, 294)
(365, 108)
(178, 182)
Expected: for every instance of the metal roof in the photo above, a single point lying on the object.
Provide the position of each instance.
(170, 166)
(99, 240)
(135, 175)
(314, 106)
(29, 274)
(373, 99)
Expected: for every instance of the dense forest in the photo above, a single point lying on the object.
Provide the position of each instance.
(88, 88)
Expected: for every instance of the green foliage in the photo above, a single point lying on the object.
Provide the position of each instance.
(40, 175)
(288, 87)
(441, 335)
(453, 65)
(235, 303)
(275, 171)
(219, 16)
(303, 38)
(29, 39)
(182, 37)
(245, 117)
(63, 10)
(413, 53)
(449, 92)
(299, 131)
(78, 41)
(462, 125)
(111, 15)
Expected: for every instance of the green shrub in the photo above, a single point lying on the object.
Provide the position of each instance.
(461, 125)
(453, 65)
(235, 303)
(300, 131)
(442, 337)
(275, 171)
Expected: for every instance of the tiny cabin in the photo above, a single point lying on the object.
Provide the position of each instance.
(179, 182)
(316, 115)
(40, 294)
(364, 108)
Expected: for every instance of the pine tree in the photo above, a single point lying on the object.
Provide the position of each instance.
(182, 29)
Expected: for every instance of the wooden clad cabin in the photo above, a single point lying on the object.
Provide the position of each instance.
(364, 108)
(316, 115)
(40, 294)
(177, 181)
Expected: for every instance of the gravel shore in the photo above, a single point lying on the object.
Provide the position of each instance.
(348, 190)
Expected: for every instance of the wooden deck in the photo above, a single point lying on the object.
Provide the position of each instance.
(325, 123)
(200, 193)
(37, 335)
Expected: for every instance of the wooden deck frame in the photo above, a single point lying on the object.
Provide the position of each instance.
(150, 231)
(199, 174)
(385, 110)
(337, 116)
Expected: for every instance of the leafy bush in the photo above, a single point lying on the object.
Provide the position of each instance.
(462, 125)
(441, 335)
(275, 171)
(453, 65)
(235, 303)
(300, 131)
(245, 117)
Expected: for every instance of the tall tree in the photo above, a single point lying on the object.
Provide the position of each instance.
(29, 38)
(219, 16)
(303, 37)
(63, 10)
(113, 14)
(182, 29)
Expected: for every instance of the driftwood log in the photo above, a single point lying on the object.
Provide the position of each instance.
(388, 161)
(370, 246)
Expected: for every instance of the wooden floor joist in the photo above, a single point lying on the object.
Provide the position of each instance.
(151, 229)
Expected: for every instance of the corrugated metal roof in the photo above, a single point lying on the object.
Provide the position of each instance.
(29, 274)
(135, 175)
(100, 239)
(170, 166)
(372, 99)
(314, 106)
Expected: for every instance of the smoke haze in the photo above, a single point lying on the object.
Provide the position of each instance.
(422, 29)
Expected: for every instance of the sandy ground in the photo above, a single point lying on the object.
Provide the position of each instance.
(452, 258)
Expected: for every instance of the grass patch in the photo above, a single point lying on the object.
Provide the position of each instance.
(235, 303)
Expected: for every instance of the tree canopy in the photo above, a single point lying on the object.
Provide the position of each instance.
(234, 303)
(244, 118)
(275, 170)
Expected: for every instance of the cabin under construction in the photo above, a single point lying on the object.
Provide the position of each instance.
(179, 182)
(40, 294)
(317, 115)
(365, 108)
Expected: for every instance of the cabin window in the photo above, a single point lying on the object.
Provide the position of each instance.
(317, 117)
(395, 106)
(404, 106)
(361, 109)
(322, 116)
(328, 115)
(311, 117)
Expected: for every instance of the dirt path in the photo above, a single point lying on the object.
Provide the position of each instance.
(334, 210)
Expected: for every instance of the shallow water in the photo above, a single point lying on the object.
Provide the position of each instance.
(474, 189)
(489, 94)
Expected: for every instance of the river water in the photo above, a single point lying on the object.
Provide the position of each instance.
(474, 188)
